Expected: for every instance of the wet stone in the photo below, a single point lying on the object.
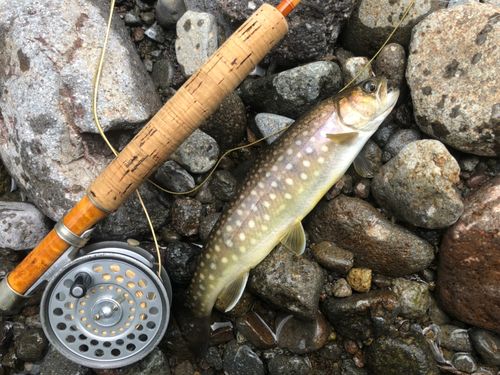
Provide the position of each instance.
(454, 338)
(148, 18)
(180, 262)
(360, 279)
(198, 154)
(132, 19)
(206, 225)
(204, 194)
(221, 335)
(362, 316)
(288, 282)
(163, 73)
(269, 123)
(169, 235)
(381, 281)
(332, 351)
(301, 336)
(464, 362)
(341, 289)
(487, 344)
(376, 243)
(414, 297)
(384, 132)
(186, 214)
(173, 177)
(353, 66)
(253, 328)
(241, 360)
(418, 185)
(33, 345)
(397, 354)
(223, 185)
(390, 63)
(213, 358)
(55, 363)
(398, 141)
(332, 257)
(289, 365)
(168, 12)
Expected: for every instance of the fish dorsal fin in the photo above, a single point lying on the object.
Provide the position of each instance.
(294, 238)
(343, 138)
(363, 166)
(231, 294)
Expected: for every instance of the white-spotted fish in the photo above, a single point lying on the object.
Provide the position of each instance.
(282, 187)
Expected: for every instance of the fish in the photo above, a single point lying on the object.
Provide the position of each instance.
(282, 186)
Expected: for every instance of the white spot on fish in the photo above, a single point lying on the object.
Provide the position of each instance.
(274, 184)
(253, 192)
(288, 196)
(289, 181)
(229, 228)
(202, 276)
(306, 163)
(251, 223)
(281, 158)
(305, 133)
(272, 196)
(274, 168)
(217, 248)
(289, 151)
(242, 249)
(238, 223)
(211, 277)
(266, 217)
(253, 241)
(261, 185)
(202, 287)
(309, 150)
(321, 160)
(224, 260)
(235, 257)
(239, 212)
(268, 174)
(229, 243)
(298, 143)
(242, 236)
(264, 228)
(324, 148)
(213, 266)
(266, 204)
(207, 255)
(303, 176)
(312, 139)
(289, 166)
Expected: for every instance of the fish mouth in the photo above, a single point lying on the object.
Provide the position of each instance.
(387, 99)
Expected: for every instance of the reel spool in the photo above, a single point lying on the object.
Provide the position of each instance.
(107, 308)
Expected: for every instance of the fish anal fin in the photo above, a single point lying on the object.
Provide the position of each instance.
(231, 294)
(363, 166)
(343, 138)
(294, 238)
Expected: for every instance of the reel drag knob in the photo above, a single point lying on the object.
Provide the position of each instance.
(80, 285)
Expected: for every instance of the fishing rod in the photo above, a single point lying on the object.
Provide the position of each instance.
(55, 258)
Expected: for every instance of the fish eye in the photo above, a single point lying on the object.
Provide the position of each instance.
(369, 86)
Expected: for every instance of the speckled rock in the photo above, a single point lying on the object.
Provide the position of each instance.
(33, 345)
(455, 93)
(417, 186)
(168, 12)
(241, 360)
(362, 316)
(198, 153)
(360, 279)
(376, 243)
(57, 364)
(469, 262)
(487, 344)
(369, 27)
(391, 63)
(180, 261)
(186, 214)
(51, 146)
(213, 358)
(289, 365)
(399, 140)
(206, 225)
(289, 282)
(332, 257)
(173, 177)
(302, 337)
(227, 125)
(414, 297)
(22, 225)
(397, 354)
(253, 328)
(353, 66)
(269, 123)
(293, 92)
(223, 185)
(341, 289)
(196, 40)
(454, 338)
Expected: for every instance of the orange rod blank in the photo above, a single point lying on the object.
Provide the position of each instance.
(287, 6)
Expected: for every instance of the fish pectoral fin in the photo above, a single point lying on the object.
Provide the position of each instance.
(231, 294)
(343, 138)
(294, 239)
(363, 166)
(241, 171)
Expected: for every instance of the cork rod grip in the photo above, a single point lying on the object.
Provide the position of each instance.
(197, 99)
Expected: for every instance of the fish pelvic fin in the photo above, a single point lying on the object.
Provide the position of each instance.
(232, 293)
(294, 239)
(343, 138)
(363, 166)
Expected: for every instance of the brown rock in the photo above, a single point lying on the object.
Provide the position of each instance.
(300, 336)
(332, 257)
(221, 335)
(469, 264)
(256, 331)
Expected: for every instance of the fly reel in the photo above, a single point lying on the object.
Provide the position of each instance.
(107, 308)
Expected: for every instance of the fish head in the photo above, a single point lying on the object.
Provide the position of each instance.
(364, 106)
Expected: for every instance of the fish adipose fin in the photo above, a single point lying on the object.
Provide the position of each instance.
(363, 166)
(343, 138)
(294, 239)
(231, 294)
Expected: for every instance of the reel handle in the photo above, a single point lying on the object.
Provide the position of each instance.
(80, 285)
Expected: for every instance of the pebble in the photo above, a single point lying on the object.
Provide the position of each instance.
(332, 257)
(454, 338)
(360, 279)
(33, 345)
(163, 73)
(186, 215)
(204, 195)
(22, 225)
(399, 140)
(288, 282)
(332, 351)
(168, 12)
(255, 330)
(168, 235)
(293, 92)
(417, 186)
(468, 274)
(376, 243)
(414, 297)
(156, 33)
(289, 365)
(353, 66)
(173, 177)
(241, 360)
(468, 163)
(132, 19)
(351, 346)
(213, 358)
(476, 180)
(198, 154)
(487, 345)
(464, 362)
(384, 132)
(369, 27)
(390, 63)
(227, 125)
(180, 261)
(341, 288)
(407, 354)
(139, 36)
(148, 18)
(362, 188)
(269, 123)
(223, 185)
(349, 368)
(362, 316)
(196, 40)
(302, 336)
(454, 89)
(56, 364)
(206, 225)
